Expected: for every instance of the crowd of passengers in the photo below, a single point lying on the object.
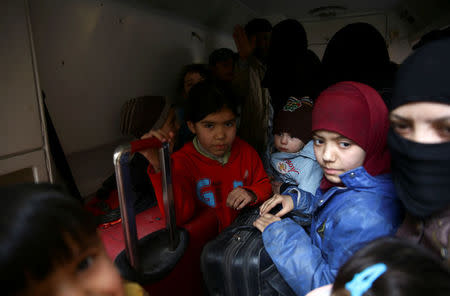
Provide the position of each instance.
(355, 144)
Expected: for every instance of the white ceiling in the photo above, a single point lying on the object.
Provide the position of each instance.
(300, 8)
(224, 14)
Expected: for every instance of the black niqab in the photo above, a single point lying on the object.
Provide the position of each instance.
(421, 172)
(292, 70)
(358, 52)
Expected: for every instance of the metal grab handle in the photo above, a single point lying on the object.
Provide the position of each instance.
(127, 196)
(169, 207)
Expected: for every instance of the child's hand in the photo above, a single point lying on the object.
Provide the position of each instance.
(152, 154)
(285, 200)
(239, 198)
(161, 135)
(262, 222)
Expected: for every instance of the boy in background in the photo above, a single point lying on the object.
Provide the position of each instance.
(252, 43)
(221, 63)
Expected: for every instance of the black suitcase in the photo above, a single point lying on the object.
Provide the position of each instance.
(236, 263)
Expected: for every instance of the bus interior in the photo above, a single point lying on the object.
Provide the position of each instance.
(69, 66)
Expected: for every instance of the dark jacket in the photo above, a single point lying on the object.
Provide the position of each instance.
(433, 232)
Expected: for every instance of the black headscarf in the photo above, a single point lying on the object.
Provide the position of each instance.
(358, 52)
(292, 70)
(421, 172)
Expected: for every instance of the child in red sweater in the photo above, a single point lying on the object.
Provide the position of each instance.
(217, 169)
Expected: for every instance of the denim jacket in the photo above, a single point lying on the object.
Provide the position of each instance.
(342, 220)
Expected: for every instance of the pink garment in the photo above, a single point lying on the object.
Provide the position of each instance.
(321, 291)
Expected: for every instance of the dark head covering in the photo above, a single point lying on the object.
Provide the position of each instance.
(424, 76)
(288, 37)
(432, 36)
(220, 55)
(257, 25)
(357, 112)
(292, 70)
(358, 52)
(421, 172)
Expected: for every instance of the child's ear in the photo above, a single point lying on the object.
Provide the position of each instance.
(191, 126)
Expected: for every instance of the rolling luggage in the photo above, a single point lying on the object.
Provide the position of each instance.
(166, 261)
(236, 263)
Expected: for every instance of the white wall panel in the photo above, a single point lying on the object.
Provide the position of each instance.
(34, 160)
(319, 32)
(389, 25)
(20, 126)
(94, 55)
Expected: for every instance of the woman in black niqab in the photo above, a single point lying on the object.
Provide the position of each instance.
(292, 69)
(421, 167)
(358, 52)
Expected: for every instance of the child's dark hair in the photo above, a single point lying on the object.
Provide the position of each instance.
(201, 69)
(257, 25)
(41, 227)
(410, 270)
(221, 55)
(206, 97)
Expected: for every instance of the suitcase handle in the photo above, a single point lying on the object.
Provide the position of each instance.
(164, 157)
(121, 159)
(139, 145)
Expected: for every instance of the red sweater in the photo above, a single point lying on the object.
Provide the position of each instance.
(200, 182)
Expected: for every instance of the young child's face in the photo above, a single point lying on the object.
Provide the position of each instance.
(216, 132)
(336, 154)
(191, 79)
(285, 143)
(90, 272)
